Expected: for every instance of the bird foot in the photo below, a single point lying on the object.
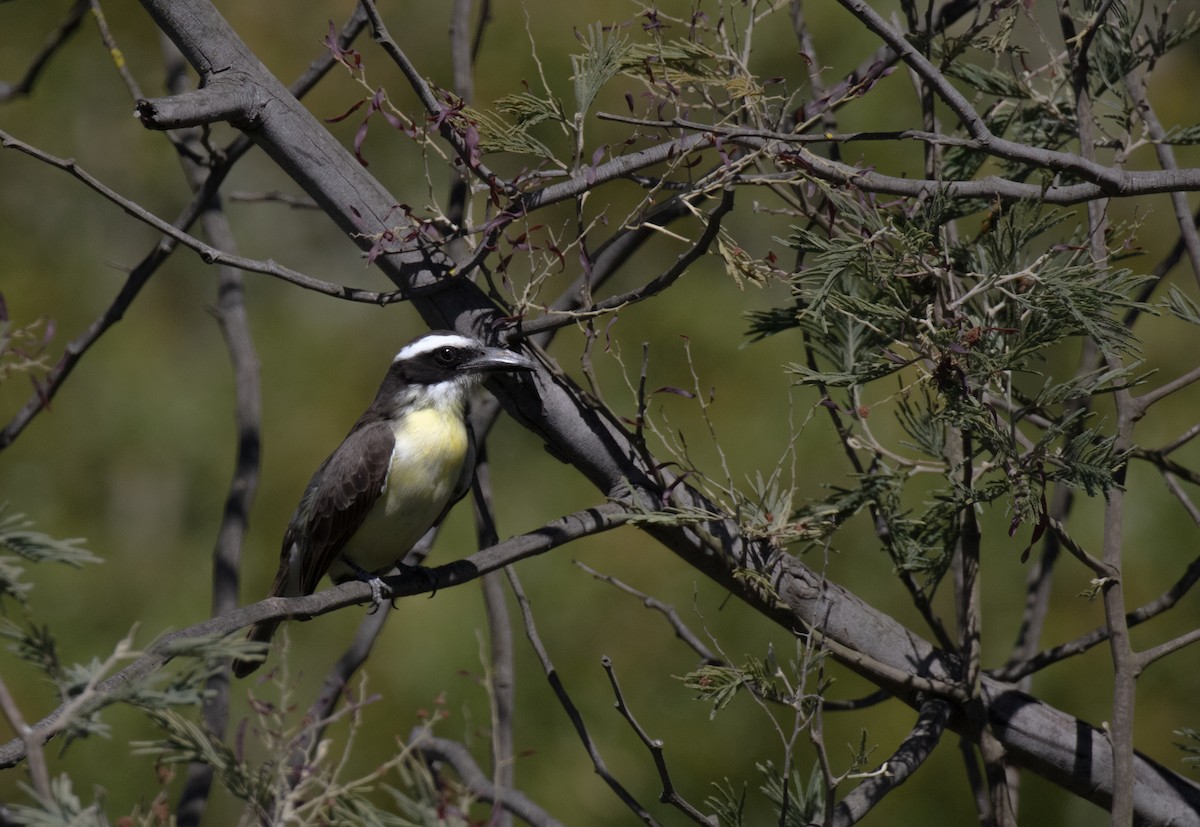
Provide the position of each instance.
(378, 588)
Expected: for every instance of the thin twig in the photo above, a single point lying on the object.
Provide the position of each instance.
(208, 253)
(114, 51)
(908, 757)
(1181, 495)
(39, 773)
(812, 63)
(430, 102)
(54, 41)
(501, 670)
(1109, 180)
(875, 65)
(669, 794)
(473, 778)
(1142, 403)
(333, 689)
(142, 272)
(682, 631)
(1183, 439)
(734, 133)
(1164, 602)
(651, 288)
(852, 704)
(1098, 566)
(610, 256)
(1189, 238)
(1039, 582)
(573, 713)
(296, 202)
(1149, 656)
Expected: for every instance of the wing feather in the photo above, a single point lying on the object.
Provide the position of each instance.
(335, 503)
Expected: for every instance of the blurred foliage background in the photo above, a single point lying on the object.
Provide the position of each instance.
(136, 451)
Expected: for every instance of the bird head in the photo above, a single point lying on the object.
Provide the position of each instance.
(440, 368)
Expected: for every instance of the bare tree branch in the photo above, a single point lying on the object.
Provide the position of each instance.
(931, 723)
(230, 312)
(655, 746)
(652, 288)
(690, 638)
(39, 773)
(159, 653)
(54, 41)
(458, 757)
(564, 699)
(501, 670)
(208, 253)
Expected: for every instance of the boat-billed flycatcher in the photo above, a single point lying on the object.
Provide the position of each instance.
(407, 459)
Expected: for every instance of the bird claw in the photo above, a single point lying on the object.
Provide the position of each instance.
(378, 588)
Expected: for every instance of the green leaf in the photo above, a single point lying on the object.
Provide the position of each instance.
(716, 684)
(1183, 305)
(1090, 461)
(728, 804)
(529, 110)
(18, 539)
(498, 135)
(1191, 746)
(63, 809)
(601, 62)
(989, 81)
(1101, 380)
(805, 802)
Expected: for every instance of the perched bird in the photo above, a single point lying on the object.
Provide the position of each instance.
(407, 459)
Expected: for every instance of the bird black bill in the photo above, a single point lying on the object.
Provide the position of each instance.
(497, 360)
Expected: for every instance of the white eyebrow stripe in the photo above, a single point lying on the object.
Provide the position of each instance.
(427, 344)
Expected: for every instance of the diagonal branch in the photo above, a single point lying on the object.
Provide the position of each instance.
(208, 253)
(429, 100)
(54, 42)
(655, 746)
(501, 649)
(652, 288)
(564, 699)
(1110, 181)
(459, 757)
(563, 530)
(141, 273)
(911, 754)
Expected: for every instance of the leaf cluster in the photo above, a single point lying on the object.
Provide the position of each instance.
(947, 334)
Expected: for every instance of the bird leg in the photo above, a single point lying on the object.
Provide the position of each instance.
(378, 587)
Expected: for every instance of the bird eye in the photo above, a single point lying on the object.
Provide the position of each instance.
(447, 356)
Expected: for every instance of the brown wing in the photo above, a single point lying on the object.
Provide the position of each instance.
(335, 504)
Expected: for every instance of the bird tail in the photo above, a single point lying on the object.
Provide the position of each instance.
(286, 584)
(259, 633)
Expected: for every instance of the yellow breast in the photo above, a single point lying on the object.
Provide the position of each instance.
(431, 445)
(427, 462)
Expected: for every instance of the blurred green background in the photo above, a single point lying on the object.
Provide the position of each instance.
(137, 450)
